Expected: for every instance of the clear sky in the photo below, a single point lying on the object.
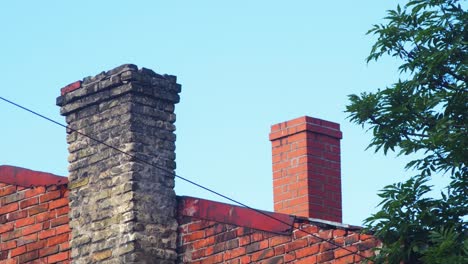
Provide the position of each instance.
(243, 66)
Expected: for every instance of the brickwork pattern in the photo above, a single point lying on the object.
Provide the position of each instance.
(306, 168)
(207, 242)
(122, 209)
(34, 224)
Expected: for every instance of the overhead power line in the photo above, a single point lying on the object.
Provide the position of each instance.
(70, 130)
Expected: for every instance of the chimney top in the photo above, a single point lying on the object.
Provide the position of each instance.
(306, 168)
(122, 209)
(305, 123)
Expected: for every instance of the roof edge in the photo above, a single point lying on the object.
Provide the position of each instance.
(236, 215)
(248, 217)
(29, 178)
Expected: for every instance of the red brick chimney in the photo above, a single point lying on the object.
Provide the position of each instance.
(306, 168)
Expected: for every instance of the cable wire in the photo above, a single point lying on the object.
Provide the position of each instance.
(70, 130)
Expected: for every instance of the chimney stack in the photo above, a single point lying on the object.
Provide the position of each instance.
(122, 209)
(306, 168)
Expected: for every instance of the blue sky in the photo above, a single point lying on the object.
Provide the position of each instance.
(243, 66)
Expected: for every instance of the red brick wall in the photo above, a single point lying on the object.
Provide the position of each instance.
(34, 224)
(201, 241)
(306, 168)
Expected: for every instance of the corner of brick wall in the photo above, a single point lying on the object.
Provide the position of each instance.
(34, 224)
(201, 241)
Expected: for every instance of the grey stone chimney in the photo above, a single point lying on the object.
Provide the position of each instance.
(122, 209)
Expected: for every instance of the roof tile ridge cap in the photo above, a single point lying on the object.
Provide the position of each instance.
(281, 220)
(29, 178)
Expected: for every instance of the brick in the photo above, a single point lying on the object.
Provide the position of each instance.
(27, 257)
(64, 246)
(7, 245)
(307, 260)
(351, 239)
(6, 228)
(62, 210)
(325, 234)
(307, 251)
(277, 240)
(232, 244)
(57, 239)
(99, 256)
(245, 240)
(198, 225)
(23, 240)
(57, 257)
(266, 253)
(326, 246)
(32, 229)
(78, 184)
(8, 208)
(46, 225)
(225, 236)
(216, 229)
(256, 246)
(34, 191)
(213, 259)
(41, 217)
(7, 190)
(345, 260)
(46, 233)
(11, 198)
(325, 256)
(340, 252)
(58, 203)
(365, 237)
(29, 202)
(367, 244)
(48, 251)
(234, 253)
(289, 256)
(209, 251)
(219, 247)
(16, 215)
(198, 254)
(3, 255)
(35, 245)
(339, 233)
(274, 260)
(38, 209)
(305, 231)
(62, 229)
(7, 261)
(24, 222)
(59, 221)
(296, 245)
(49, 196)
(202, 243)
(17, 251)
(193, 236)
(279, 250)
(256, 237)
(11, 235)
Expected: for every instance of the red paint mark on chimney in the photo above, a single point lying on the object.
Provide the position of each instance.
(71, 87)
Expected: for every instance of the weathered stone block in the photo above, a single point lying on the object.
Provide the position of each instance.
(122, 207)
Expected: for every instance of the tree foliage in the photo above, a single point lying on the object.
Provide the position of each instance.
(424, 112)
